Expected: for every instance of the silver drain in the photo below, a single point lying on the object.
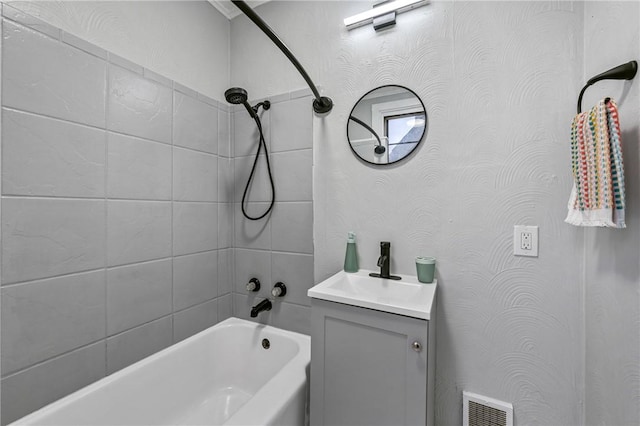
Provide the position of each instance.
(266, 343)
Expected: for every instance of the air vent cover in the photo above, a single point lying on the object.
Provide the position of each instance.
(480, 410)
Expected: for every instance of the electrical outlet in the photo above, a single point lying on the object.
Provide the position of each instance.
(525, 240)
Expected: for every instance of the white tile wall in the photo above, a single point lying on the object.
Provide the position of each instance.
(196, 279)
(225, 180)
(44, 383)
(137, 294)
(94, 192)
(138, 231)
(194, 227)
(280, 246)
(224, 132)
(54, 79)
(225, 307)
(133, 345)
(259, 189)
(291, 316)
(291, 123)
(249, 233)
(292, 223)
(42, 319)
(195, 319)
(138, 169)
(187, 128)
(296, 270)
(61, 159)
(225, 225)
(195, 176)
(225, 271)
(252, 264)
(97, 163)
(292, 175)
(44, 237)
(245, 132)
(151, 102)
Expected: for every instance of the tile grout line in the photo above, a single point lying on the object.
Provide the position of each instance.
(106, 215)
(232, 155)
(54, 358)
(80, 124)
(94, 342)
(2, 6)
(173, 148)
(107, 268)
(126, 200)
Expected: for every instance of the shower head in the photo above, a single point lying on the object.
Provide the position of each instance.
(236, 95)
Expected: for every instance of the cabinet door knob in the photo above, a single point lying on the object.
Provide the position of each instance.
(416, 346)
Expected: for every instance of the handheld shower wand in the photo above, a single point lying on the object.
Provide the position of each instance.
(238, 96)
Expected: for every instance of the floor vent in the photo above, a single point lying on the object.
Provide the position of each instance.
(480, 410)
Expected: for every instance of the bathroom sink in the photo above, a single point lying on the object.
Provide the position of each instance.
(407, 296)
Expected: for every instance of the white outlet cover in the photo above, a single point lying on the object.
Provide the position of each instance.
(517, 236)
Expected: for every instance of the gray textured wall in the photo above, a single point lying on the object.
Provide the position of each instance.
(500, 81)
(612, 261)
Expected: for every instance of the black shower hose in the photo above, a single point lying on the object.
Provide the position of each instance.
(261, 143)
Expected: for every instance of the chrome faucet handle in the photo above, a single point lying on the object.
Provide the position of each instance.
(279, 290)
(253, 285)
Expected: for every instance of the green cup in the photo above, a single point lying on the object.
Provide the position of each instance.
(426, 268)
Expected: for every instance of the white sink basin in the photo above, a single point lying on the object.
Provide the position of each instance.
(407, 296)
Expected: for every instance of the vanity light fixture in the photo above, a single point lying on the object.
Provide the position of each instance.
(387, 8)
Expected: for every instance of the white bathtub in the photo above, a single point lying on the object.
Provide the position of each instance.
(221, 376)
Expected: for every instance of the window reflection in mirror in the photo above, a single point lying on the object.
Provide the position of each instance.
(386, 124)
(403, 134)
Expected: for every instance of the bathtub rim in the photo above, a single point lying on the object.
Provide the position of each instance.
(271, 411)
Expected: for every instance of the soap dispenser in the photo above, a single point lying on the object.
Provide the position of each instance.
(351, 257)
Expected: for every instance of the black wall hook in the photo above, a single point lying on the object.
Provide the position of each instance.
(621, 72)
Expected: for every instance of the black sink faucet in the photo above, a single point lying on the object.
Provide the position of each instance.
(384, 262)
(265, 305)
(384, 259)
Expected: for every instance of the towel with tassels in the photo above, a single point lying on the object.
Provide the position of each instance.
(598, 196)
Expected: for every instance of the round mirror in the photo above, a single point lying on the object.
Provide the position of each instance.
(386, 124)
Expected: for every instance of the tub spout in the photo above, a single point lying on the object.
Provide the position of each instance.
(265, 305)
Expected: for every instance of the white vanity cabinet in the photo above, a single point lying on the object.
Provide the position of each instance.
(370, 367)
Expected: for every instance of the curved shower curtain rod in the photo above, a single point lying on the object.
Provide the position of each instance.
(380, 149)
(321, 104)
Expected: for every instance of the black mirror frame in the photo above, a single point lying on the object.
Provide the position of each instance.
(422, 137)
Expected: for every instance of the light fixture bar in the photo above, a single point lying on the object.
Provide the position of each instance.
(367, 17)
